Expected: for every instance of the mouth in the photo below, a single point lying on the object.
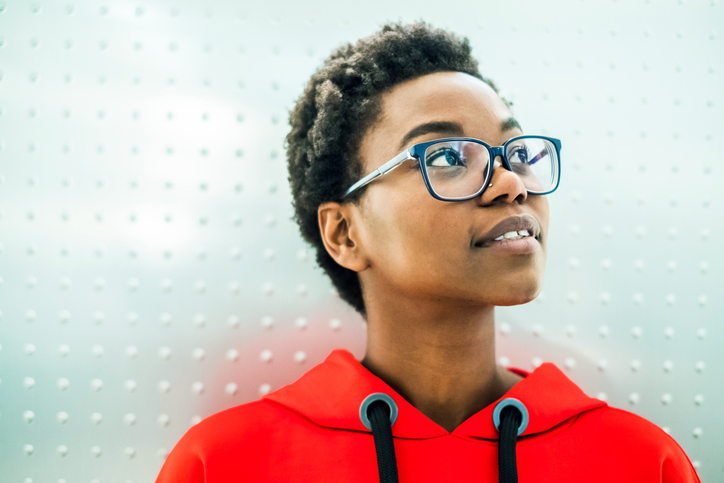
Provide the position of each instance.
(510, 230)
(511, 241)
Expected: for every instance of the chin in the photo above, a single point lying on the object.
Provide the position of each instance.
(519, 293)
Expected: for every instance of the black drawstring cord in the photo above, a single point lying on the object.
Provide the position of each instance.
(510, 419)
(379, 418)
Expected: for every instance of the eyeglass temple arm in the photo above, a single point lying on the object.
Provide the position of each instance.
(538, 156)
(385, 168)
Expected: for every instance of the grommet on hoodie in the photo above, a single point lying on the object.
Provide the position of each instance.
(377, 396)
(511, 402)
(378, 412)
(510, 418)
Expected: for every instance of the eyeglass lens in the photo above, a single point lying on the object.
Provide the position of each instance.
(459, 168)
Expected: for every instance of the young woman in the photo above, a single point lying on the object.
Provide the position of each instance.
(427, 205)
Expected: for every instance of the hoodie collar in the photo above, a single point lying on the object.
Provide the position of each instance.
(331, 392)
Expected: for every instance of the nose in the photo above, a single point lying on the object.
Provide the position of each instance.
(506, 185)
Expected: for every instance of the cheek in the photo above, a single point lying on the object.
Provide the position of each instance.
(417, 240)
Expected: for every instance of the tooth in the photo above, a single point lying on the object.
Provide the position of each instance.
(523, 233)
(511, 234)
(499, 238)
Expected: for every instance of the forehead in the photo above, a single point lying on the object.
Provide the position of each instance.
(442, 96)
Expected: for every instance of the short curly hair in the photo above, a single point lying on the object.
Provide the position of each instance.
(339, 103)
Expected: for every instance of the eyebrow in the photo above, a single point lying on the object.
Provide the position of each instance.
(449, 127)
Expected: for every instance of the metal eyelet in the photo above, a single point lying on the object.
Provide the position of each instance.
(377, 396)
(518, 405)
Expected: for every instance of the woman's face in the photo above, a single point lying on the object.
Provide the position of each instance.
(420, 247)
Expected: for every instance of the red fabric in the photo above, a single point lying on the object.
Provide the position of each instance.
(310, 431)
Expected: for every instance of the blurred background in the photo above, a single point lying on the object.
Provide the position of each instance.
(150, 272)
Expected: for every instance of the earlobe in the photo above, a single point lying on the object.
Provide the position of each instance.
(336, 226)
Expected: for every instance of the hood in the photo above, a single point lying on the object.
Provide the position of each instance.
(331, 392)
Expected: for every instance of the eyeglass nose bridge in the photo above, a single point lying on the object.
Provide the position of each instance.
(494, 153)
(499, 151)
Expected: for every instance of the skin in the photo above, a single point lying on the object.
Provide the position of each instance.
(430, 294)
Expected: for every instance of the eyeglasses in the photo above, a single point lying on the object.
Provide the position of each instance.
(459, 169)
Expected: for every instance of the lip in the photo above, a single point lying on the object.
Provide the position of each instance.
(521, 246)
(512, 223)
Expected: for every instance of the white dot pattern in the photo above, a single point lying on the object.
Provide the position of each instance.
(151, 272)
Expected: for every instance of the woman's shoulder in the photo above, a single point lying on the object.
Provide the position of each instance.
(634, 434)
(619, 421)
(237, 423)
(219, 439)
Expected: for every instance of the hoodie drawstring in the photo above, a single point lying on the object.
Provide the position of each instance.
(507, 467)
(384, 445)
(378, 412)
(510, 418)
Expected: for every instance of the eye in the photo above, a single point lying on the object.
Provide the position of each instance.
(445, 157)
(519, 154)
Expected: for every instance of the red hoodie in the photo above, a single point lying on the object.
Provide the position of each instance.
(310, 431)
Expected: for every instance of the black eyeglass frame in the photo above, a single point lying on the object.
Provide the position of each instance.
(417, 152)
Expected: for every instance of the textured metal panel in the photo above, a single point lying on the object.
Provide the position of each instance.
(150, 274)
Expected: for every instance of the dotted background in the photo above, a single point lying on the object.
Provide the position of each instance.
(150, 273)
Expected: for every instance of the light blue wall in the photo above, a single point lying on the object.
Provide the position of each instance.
(150, 274)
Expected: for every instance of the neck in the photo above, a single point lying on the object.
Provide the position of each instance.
(440, 359)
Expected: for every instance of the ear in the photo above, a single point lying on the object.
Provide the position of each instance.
(338, 227)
